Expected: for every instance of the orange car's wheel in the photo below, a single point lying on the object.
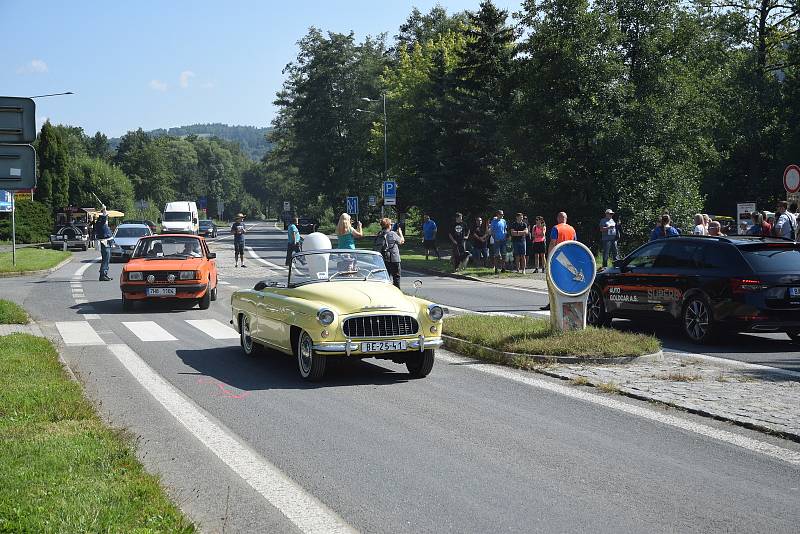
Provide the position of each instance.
(205, 300)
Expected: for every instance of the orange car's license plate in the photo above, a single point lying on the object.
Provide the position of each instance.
(160, 291)
(383, 346)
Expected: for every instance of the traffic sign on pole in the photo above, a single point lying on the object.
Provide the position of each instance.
(373, 201)
(5, 201)
(352, 205)
(791, 179)
(389, 193)
(287, 206)
(17, 120)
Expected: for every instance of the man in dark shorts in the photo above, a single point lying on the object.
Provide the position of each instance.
(519, 232)
(429, 237)
(458, 236)
(293, 240)
(238, 230)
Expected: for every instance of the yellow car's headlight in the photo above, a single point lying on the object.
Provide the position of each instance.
(436, 313)
(325, 316)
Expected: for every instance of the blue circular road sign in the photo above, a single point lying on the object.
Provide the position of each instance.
(572, 268)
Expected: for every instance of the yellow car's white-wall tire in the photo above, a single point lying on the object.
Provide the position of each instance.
(249, 346)
(310, 363)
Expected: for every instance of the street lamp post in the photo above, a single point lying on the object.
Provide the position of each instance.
(385, 135)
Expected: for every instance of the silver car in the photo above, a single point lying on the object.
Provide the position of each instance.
(125, 238)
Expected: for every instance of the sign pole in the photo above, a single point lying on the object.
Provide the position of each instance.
(13, 231)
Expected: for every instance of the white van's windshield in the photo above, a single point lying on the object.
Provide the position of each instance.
(177, 216)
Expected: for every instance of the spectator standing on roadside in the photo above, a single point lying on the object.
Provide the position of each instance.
(293, 240)
(528, 241)
(664, 229)
(539, 231)
(715, 229)
(785, 223)
(706, 220)
(608, 237)
(238, 230)
(458, 235)
(346, 233)
(429, 237)
(558, 234)
(793, 211)
(760, 226)
(388, 242)
(699, 225)
(519, 232)
(103, 237)
(478, 239)
(499, 229)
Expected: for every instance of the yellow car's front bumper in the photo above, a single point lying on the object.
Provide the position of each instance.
(354, 347)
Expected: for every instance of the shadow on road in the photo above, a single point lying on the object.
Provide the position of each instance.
(273, 370)
(114, 306)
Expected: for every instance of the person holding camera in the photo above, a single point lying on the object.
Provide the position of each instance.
(346, 233)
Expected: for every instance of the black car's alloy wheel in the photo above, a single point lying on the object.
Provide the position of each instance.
(697, 320)
(596, 309)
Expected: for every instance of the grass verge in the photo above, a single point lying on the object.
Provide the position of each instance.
(62, 469)
(528, 335)
(32, 259)
(12, 313)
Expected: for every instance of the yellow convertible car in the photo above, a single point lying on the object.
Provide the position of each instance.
(338, 303)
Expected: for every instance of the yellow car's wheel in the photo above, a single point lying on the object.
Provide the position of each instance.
(309, 362)
(419, 364)
(249, 346)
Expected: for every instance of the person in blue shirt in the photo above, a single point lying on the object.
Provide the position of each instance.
(664, 229)
(293, 240)
(238, 230)
(102, 233)
(429, 237)
(499, 229)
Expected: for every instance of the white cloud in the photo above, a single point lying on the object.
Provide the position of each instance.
(36, 66)
(158, 85)
(208, 85)
(185, 75)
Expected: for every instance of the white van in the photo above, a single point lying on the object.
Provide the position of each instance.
(180, 218)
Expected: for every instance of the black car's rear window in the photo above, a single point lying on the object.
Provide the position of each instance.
(773, 258)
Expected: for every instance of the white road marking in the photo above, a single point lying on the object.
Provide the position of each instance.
(214, 328)
(265, 262)
(224, 283)
(82, 269)
(786, 455)
(464, 310)
(78, 333)
(81, 301)
(307, 513)
(91, 316)
(149, 331)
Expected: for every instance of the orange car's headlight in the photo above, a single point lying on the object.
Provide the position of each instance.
(189, 275)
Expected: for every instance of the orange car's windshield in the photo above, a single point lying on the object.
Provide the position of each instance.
(168, 247)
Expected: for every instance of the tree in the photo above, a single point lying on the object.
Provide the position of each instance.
(93, 176)
(53, 186)
(98, 146)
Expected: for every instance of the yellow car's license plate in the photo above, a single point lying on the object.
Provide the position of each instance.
(382, 346)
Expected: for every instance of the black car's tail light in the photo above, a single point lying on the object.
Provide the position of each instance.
(746, 285)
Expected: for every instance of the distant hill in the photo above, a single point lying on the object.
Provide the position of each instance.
(251, 139)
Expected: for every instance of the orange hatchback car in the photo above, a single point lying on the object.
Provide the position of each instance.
(170, 266)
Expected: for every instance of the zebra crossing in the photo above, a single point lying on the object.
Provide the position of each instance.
(83, 333)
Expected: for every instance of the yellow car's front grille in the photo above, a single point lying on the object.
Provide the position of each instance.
(380, 326)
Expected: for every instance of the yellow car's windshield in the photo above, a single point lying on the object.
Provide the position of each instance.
(337, 265)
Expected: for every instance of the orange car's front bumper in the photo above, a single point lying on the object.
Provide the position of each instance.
(134, 291)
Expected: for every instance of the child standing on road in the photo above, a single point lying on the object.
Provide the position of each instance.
(238, 230)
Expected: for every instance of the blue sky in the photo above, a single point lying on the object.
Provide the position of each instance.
(156, 64)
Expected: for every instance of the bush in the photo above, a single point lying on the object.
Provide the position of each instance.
(34, 222)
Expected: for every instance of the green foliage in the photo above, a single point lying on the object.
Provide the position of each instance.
(34, 222)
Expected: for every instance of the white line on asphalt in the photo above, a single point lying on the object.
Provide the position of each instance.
(224, 283)
(78, 333)
(305, 511)
(214, 328)
(149, 331)
(91, 316)
(81, 301)
(265, 262)
(82, 269)
(786, 455)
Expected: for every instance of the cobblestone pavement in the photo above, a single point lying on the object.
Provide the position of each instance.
(32, 328)
(752, 397)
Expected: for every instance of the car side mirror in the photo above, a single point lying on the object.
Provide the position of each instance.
(194, 221)
(212, 255)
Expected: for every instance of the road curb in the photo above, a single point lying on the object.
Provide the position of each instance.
(472, 349)
(13, 274)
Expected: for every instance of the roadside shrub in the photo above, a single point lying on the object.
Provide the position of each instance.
(34, 222)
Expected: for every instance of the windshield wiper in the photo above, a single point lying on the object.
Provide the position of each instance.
(334, 275)
(373, 271)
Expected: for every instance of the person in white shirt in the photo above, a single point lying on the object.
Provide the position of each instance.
(785, 224)
(700, 227)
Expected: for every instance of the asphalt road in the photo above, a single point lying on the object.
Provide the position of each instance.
(465, 450)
